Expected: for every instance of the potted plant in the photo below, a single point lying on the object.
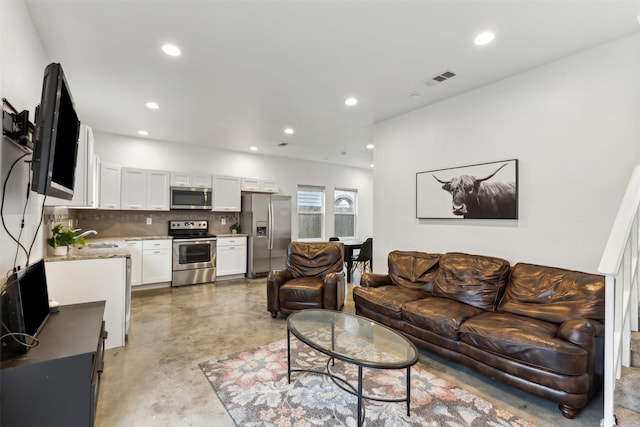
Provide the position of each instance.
(61, 238)
(235, 228)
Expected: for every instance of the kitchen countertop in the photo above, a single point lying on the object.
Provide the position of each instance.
(85, 252)
(232, 235)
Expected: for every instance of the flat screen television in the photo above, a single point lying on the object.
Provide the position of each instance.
(24, 307)
(56, 137)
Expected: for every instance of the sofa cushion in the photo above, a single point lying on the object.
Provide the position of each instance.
(472, 279)
(387, 300)
(441, 316)
(302, 292)
(526, 340)
(413, 270)
(553, 294)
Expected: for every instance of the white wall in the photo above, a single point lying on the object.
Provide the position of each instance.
(574, 126)
(22, 63)
(288, 173)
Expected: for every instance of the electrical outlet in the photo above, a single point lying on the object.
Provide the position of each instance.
(223, 221)
(149, 221)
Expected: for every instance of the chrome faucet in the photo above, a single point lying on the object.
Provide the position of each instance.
(86, 233)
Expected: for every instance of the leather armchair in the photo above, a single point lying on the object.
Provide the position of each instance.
(313, 278)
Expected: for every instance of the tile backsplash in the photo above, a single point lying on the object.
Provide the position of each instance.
(111, 223)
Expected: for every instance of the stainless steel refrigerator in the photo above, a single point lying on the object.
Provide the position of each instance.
(266, 218)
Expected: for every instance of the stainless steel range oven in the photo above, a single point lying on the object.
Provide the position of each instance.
(194, 253)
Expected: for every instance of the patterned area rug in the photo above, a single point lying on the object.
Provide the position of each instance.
(253, 387)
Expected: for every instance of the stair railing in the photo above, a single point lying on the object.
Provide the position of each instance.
(619, 265)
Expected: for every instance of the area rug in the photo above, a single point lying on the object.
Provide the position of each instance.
(253, 387)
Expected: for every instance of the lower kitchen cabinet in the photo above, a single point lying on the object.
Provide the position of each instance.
(231, 256)
(135, 250)
(88, 280)
(156, 261)
(56, 383)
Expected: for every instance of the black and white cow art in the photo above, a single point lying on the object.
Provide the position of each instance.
(476, 198)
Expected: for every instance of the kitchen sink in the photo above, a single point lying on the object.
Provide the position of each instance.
(103, 245)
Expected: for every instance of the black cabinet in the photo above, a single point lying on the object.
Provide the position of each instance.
(57, 382)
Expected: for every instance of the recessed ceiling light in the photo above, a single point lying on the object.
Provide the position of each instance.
(289, 131)
(152, 105)
(484, 38)
(371, 165)
(143, 132)
(253, 148)
(370, 146)
(414, 96)
(171, 50)
(350, 101)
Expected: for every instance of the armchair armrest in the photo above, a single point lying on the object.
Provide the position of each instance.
(333, 290)
(375, 280)
(580, 331)
(275, 279)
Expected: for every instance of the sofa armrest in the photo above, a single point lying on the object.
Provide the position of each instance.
(375, 280)
(580, 331)
(275, 279)
(333, 291)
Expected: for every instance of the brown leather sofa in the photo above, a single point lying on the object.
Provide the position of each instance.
(313, 278)
(533, 327)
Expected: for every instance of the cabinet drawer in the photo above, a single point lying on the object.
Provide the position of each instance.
(156, 244)
(232, 241)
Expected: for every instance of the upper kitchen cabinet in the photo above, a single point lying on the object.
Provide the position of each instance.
(180, 179)
(158, 190)
(187, 179)
(201, 180)
(133, 193)
(226, 194)
(84, 189)
(144, 189)
(259, 185)
(109, 186)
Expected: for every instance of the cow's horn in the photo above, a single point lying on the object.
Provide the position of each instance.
(440, 181)
(497, 170)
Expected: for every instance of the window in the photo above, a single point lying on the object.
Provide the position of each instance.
(345, 208)
(310, 212)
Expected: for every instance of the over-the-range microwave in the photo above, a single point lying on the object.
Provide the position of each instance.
(191, 198)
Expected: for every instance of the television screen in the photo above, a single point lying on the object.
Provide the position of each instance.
(56, 137)
(24, 306)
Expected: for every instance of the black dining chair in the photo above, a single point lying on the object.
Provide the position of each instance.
(362, 260)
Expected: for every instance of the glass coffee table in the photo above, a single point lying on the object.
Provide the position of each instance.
(353, 339)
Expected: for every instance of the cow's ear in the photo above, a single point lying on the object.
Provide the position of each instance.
(447, 187)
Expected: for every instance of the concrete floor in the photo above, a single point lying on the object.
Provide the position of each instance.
(155, 379)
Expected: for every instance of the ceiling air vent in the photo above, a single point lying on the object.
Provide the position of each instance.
(440, 78)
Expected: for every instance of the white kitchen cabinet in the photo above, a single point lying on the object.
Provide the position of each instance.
(188, 179)
(259, 185)
(88, 280)
(135, 249)
(231, 255)
(133, 194)
(181, 179)
(156, 261)
(227, 193)
(84, 189)
(109, 186)
(144, 189)
(201, 180)
(158, 190)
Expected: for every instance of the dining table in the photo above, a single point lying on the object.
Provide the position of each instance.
(350, 245)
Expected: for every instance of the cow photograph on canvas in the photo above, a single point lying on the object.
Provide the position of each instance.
(482, 191)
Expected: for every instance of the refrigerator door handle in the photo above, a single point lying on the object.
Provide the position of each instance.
(270, 225)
